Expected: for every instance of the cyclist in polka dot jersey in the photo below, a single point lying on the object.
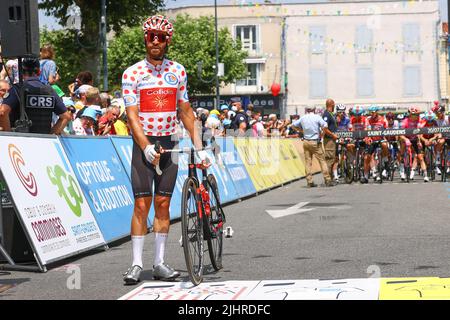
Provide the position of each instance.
(155, 91)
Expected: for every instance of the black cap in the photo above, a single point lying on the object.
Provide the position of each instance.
(31, 64)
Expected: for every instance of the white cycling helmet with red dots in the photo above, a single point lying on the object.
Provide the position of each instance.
(158, 23)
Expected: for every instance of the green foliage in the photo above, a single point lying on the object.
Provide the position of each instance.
(193, 41)
(120, 14)
(124, 51)
(67, 55)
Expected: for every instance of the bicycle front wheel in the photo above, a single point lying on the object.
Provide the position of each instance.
(214, 223)
(192, 232)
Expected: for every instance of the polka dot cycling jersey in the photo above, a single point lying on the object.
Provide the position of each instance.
(156, 90)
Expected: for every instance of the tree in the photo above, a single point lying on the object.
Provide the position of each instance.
(120, 14)
(193, 41)
(67, 57)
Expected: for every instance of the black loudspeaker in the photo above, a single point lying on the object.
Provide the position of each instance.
(19, 28)
(14, 240)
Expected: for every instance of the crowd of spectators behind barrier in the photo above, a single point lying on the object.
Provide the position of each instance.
(99, 113)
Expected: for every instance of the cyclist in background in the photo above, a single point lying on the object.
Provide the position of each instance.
(441, 121)
(376, 122)
(342, 124)
(359, 122)
(393, 140)
(412, 121)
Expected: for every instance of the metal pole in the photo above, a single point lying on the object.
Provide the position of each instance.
(104, 43)
(217, 57)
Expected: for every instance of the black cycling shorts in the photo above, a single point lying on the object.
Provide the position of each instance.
(373, 146)
(143, 173)
(415, 146)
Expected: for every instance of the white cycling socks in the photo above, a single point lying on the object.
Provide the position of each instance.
(160, 246)
(137, 242)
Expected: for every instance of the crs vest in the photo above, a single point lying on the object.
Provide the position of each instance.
(39, 106)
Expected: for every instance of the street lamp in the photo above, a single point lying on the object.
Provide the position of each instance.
(217, 56)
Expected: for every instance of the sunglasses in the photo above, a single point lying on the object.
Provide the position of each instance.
(152, 35)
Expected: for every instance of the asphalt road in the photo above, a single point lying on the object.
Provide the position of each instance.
(399, 229)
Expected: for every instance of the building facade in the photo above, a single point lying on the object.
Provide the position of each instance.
(389, 53)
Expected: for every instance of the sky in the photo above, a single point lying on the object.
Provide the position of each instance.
(51, 23)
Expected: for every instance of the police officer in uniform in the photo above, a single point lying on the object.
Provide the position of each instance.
(40, 102)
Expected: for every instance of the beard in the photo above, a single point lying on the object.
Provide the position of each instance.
(157, 53)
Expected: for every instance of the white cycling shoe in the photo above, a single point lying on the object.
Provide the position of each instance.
(426, 179)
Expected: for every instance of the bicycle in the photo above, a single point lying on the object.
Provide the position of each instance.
(202, 217)
(345, 167)
(378, 160)
(408, 160)
(392, 164)
(358, 166)
(429, 160)
(445, 159)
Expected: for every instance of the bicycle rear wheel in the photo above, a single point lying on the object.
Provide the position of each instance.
(349, 169)
(431, 164)
(380, 165)
(407, 163)
(445, 158)
(214, 223)
(192, 232)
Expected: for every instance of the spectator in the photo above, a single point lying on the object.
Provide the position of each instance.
(84, 125)
(10, 72)
(256, 124)
(309, 125)
(49, 71)
(213, 123)
(273, 125)
(329, 140)
(241, 121)
(120, 126)
(80, 96)
(92, 100)
(84, 77)
(71, 108)
(39, 111)
(107, 121)
(105, 100)
(250, 109)
(4, 88)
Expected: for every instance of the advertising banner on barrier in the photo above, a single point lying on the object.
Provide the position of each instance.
(124, 148)
(55, 214)
(262, 165)
(104, 182)
(293, 167)
(236, 167)
(268, 155)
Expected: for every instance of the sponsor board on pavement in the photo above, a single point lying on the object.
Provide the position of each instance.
(427, 288)
(48, 199)
(227, 290)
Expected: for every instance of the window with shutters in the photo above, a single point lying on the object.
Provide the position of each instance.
(252, 76)
(317, 39)
(412, 81)
(249, 38)
(411, 37)
(364, 82)
(317, 83)
(363, 39)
